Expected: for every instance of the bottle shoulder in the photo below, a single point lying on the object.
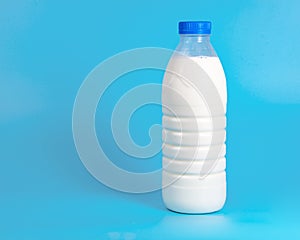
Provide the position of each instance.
(197, 49)
(179, 62)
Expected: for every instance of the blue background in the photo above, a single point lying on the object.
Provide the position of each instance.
(46, 50)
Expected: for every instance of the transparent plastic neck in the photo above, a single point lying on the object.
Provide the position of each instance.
(195, 37)
(196, 45)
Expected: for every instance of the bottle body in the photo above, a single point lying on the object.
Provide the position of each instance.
(194, 102)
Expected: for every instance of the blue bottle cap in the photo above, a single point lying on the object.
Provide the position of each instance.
(194, 27)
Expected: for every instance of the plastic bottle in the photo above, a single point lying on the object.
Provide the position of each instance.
(194, 101)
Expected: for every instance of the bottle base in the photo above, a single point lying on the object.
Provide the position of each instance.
(194, 200)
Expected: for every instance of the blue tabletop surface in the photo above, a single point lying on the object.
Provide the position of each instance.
(46, 50)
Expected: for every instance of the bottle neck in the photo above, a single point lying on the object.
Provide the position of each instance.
(196, 45)
(194, 38)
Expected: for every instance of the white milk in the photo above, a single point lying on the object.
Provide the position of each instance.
(193, 181)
